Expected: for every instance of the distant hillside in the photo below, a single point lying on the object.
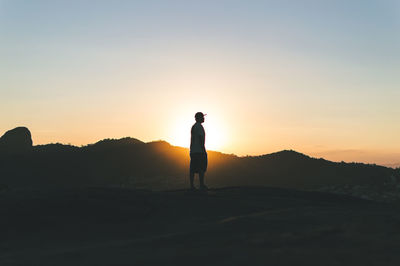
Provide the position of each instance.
(393, 165)
(159, 165)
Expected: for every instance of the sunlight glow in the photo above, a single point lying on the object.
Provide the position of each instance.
(215, 132)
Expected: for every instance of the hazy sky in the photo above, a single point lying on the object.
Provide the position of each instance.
(320, 77)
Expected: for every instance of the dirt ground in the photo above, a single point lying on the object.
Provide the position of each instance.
(227, 226)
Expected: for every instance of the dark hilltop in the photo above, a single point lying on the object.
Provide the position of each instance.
(157, 165)
(125, 202)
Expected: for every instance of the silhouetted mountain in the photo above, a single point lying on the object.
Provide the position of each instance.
(16, 140)
(159, 165)
(393, 165)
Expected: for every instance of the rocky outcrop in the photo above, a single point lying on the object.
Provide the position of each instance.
(16, 140)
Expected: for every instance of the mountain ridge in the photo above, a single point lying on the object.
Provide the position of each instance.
(160, 165)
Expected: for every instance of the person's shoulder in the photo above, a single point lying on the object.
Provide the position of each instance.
(196, 125)
(200, 128)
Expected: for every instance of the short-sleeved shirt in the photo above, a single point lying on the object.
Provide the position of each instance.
(197, 134)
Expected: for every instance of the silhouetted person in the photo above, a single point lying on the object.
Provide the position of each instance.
(198, 154)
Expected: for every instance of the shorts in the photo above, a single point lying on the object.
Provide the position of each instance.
(198, 162)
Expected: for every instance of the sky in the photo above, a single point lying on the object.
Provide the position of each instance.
(318, 77)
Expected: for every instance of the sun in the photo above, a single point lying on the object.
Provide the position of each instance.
(215, 133)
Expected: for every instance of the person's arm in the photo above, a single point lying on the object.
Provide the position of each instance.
(202, 140)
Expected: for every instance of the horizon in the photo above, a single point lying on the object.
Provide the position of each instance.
(390, 165)
(311, 77)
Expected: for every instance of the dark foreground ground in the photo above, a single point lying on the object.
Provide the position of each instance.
(229, 226)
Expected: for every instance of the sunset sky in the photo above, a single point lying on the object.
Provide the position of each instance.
(319, 77)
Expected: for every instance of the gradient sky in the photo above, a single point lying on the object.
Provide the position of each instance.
(320, 77)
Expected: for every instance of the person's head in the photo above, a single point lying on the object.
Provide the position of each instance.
(199, 116)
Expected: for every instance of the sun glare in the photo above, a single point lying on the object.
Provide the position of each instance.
(214, 132)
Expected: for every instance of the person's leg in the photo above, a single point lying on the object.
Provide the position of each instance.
(203, 166)
(191, 172)
(191, 179)
(201, 179)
